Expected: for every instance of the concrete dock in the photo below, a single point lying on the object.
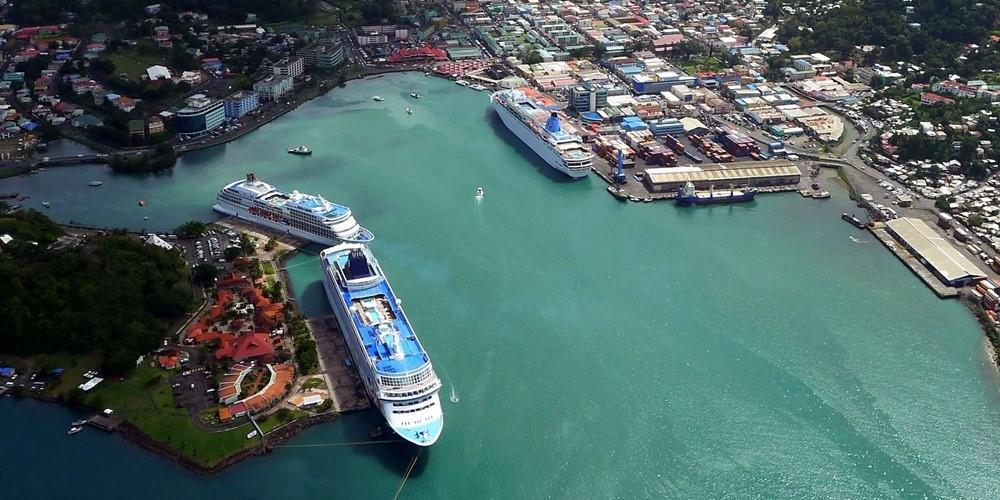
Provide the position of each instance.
(346, 390)
(940, 289)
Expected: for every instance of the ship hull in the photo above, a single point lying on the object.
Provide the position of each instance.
(686, 201)
(263, 221)
(539, 146)
(425, 434)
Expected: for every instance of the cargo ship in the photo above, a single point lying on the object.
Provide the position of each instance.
(297, 214)
(394, 367)
(539, 128)
(689, 196)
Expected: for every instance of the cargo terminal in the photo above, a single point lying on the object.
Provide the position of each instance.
(950, 265)
(722, 175)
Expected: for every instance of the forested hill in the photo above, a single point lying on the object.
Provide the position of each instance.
(113, 295)
(231, 11)
(945, 27)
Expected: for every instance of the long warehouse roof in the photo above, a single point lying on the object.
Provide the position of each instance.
(937, 251)
(696, 174)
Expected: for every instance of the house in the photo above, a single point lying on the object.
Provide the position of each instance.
(158, 72)
(155, 125)
(932, 99)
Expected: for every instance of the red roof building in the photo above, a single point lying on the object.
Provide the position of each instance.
(418, 53)
(247, 346)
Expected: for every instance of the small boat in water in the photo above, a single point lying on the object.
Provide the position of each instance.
(377, 98)
(79, 423)
(477, 87)
(74, 430)
(300, 150)
(95, 183)
(821, 195)
(409, 111)
(617, 193)
(414, 95)
(479, 192)
(853, 220)
(46, 204)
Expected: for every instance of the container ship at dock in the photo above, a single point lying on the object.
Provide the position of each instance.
(538, 127)
(394, 368)
(688, 196)
(302, 215)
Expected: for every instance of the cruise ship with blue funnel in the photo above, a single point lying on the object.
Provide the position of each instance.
(393, 365)
(303, 215)
(539, 128)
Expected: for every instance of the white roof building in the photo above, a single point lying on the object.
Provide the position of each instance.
(158, 72)
(152, 239)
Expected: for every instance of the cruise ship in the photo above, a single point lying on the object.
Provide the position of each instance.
(539, 128)
(298, 214)
(393, 365)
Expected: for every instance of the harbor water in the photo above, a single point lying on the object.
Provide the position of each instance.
(594, 348)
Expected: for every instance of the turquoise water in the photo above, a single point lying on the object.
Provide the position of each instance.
(597, 349)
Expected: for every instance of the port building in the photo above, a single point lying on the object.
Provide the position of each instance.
(722, 175)
(944, 260)
(200, 116)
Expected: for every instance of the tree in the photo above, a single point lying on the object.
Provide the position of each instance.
(101, 68)
(242, 82)
(190, 229)
(283, 414)
(248, 244)
(205, 274)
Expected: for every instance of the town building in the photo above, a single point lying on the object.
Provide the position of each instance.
(322, 54)
(200, 116)
(752, 173)
(379, 34)
(273, 87)
(240, 104)
(588, 97)
(292, 66)
(949, 264)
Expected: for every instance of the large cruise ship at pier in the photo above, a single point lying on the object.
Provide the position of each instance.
(539, 127)
(298, 214)
(393, 365)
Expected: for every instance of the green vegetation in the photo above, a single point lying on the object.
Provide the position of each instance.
(162, 158)
(145, 400)
(306, 356)
(112, 296)
(280, 417)
(313, 383)
(704, 63)
(267, 267)
(191, 229)
(133, 62)
(205, 274)
(946, 26)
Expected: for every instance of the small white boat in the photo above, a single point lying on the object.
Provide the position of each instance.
(74, 430)
(300, 150)
(377, 98)
(79, 423)
(462, 82)
(414, 95)
(409, 111)
(479, 192)
(94, 183)
(46, 204)
(476, 86)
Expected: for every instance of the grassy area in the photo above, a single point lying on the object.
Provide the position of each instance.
(702, 64)
(272, 421)
(268, 267)
(133, 63)
(151, 408)
(313, 383)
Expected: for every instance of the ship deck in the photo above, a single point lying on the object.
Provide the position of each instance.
(377, 304)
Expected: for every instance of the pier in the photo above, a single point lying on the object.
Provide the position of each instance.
(345, 386)
(940, 289)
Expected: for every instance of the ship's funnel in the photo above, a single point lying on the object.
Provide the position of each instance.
(552, 124)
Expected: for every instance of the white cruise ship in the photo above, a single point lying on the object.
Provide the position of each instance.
(539, 128)
(298, 214)
(393, 365)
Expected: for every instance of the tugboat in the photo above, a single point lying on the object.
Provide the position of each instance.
(853, 220)
(689, 196)
(300, 150)
(377, 98)
(95, 183)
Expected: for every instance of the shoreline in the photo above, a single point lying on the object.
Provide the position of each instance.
(992, 342)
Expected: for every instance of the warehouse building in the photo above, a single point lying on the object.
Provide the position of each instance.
(722, 175)
(944, 260)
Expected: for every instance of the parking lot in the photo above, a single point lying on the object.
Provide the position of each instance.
(210, 246)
